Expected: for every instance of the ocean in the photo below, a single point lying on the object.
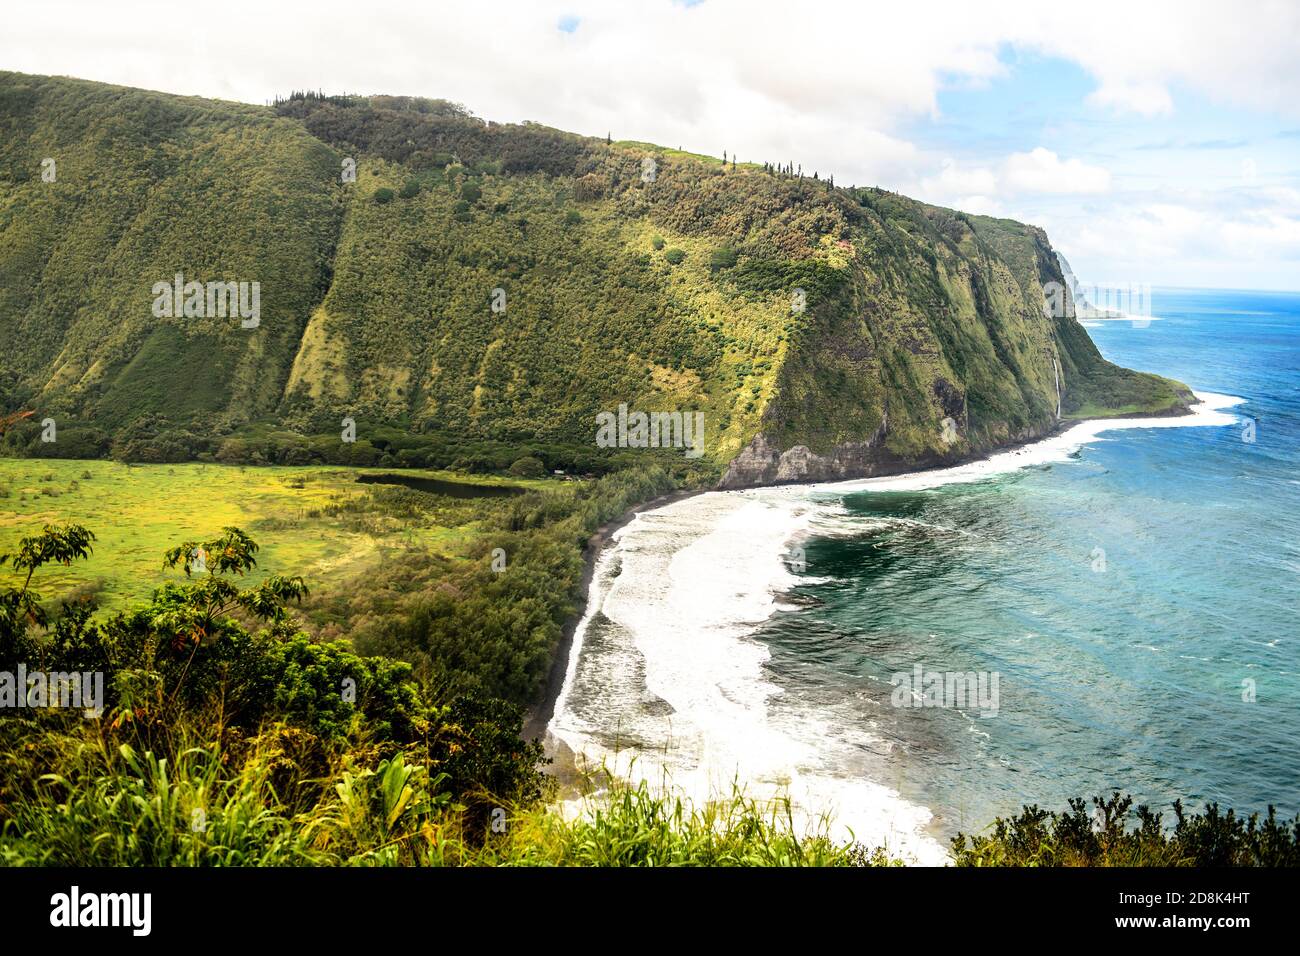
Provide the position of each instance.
(1117, 602)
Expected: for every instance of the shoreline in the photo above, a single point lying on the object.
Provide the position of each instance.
(537, 718)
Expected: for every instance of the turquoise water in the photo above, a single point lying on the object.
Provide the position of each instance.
(1125, 599)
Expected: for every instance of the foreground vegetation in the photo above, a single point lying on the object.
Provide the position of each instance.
(1104, 837)
(127, 808)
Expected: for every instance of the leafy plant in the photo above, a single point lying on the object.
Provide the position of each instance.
(1037, 837)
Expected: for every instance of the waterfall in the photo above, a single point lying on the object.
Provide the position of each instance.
(1056, 370)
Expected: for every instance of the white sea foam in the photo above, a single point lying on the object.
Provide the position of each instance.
(666, 682)
(1209, 411)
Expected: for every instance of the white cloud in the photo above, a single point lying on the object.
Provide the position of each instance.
(980, 206)
(1042, 171)
(1263, 237)
(1167, 243)
(1147, 99)
(953, 180)
(1039, 171)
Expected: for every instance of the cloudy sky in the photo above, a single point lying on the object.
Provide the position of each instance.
(1156, 141)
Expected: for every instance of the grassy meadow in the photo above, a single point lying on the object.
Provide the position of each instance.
(313, 520)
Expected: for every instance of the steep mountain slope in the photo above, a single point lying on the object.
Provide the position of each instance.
(146, 186)
(479, 287)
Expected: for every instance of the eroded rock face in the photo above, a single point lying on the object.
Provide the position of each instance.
(755, 465)
(762, 463)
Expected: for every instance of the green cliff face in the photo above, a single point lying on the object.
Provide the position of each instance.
(501, 285)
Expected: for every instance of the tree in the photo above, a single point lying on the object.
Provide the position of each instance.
(21, 607)
(527, 467)
(723, 258)
(197, 608)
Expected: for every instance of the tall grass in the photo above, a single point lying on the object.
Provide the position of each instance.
(636, 825)
(115, 806)
(250, 804)
(284, 797)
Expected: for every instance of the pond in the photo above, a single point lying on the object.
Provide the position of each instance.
(440, 486)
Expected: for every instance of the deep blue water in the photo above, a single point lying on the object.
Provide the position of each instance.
(1128, 678)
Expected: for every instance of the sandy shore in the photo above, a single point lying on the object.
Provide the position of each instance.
(537, 718)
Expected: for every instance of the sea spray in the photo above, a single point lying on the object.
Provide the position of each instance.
(670, 686)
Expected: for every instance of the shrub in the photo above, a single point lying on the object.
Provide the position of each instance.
(589, 188)
(1103, 838)
(471, 192)
(527, 467)
(723, 258)
(411, 189)
(675, 256)
(383, 194)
